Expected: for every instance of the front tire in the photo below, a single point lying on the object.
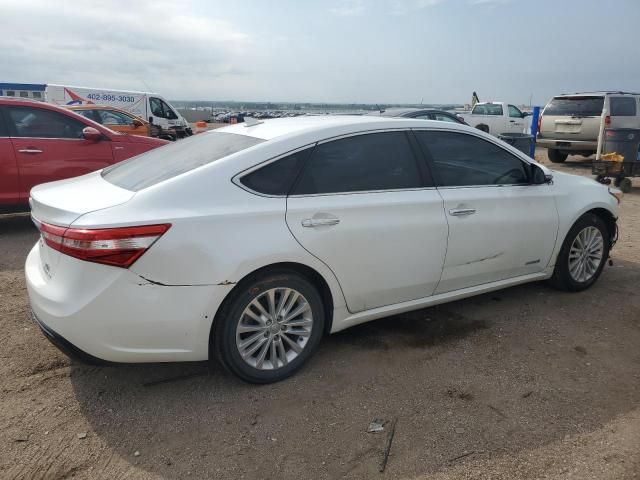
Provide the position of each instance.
(583, 254)
(269, 327)
(556, 156)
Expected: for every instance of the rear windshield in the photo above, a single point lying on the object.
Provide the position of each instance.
(575, 106)
(174, 159)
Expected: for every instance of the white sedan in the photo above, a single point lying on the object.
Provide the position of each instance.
(251, 242)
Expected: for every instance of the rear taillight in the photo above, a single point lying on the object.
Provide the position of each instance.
(119, 247)
(607, 121)
(539, 125)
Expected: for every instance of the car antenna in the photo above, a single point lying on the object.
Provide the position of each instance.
(251, 122)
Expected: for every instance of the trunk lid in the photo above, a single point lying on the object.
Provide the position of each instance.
(63, 202)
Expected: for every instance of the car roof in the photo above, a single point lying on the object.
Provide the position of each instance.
(335, 125)
(590, 94)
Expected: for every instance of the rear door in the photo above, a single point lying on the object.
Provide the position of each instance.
(9, 178)
(572, 117)
(48, 146)
(500, 226)
(365, 207)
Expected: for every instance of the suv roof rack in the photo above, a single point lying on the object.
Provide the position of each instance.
(602, 92)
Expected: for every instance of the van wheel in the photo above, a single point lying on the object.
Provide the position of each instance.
(556, 156)
(269, 328)
(583, 254)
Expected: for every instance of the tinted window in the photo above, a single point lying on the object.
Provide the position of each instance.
(575, 106)
(623, 106)
(376, 161)
(465, 160)
(276, 178)
(441, 117)
(3, 128)
(88, 114)
(176, 158)
(37, 122)
(487, 109)
(514, 112)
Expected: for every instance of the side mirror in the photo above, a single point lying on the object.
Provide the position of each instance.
(538, 176)
(151, 120)
(91, 134)
(137, 123)
(525, 114)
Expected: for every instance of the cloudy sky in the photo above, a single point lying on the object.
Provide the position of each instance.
(365, 51)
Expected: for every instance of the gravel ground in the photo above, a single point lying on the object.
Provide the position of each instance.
(524, 383)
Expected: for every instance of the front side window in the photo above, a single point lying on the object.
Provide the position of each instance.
(41, 123)
(166, 162)
(160, 109)
(623, 106)
(461, 159)
(277, 177)
(375, 161)
(514, 112)
(111, 117)
(487, 109)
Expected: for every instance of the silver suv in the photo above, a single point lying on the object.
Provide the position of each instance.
(570, 123)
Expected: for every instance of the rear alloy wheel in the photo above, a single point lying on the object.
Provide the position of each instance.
(556, 156)
(583, 254)
(270, 328)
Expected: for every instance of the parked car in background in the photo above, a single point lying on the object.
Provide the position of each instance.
(118, 120)
(250, 242)
(421, 113)
(150, 106)
(497, 118)
(570, 123)
(40, 143)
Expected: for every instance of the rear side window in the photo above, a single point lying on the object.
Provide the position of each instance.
(622, 106)
(575, 106)
(487, 109)
(43, 123)
(460, 159)
(375, 161)
(277, 177)
(174, 159)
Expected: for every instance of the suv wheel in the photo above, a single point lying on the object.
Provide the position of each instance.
(556, 156)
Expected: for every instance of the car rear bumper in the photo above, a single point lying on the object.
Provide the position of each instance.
(108, 314)
(568, 145)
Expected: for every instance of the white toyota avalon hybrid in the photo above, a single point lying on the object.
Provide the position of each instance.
(249, 243)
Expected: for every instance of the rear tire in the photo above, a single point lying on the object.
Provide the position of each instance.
(258, 309)
(583, 255)
(556, 156)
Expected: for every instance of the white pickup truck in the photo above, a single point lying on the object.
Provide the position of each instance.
(497, 118)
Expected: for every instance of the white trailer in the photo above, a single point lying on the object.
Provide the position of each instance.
(150, 106)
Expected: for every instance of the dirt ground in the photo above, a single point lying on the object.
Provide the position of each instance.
(525, 383)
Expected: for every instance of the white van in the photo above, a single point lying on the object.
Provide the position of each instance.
(149, 106)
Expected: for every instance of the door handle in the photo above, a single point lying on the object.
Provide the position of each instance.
(461, 212)
(319, 222)
(512, 121)
(31, 150)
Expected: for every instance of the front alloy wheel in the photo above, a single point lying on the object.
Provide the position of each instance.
(585, 255)
(268, 327)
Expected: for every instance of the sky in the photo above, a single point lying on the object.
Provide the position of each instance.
(344, 51)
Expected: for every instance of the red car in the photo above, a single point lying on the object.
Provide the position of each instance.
(40, 143)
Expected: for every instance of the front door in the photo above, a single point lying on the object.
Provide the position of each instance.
(500, 225)
(516, 121)
(364, 207)
(48, 146)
